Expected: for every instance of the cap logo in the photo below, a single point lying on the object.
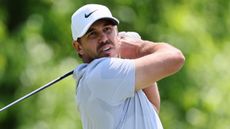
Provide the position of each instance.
(87, 15)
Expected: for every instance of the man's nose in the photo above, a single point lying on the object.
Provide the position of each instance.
(103, 38)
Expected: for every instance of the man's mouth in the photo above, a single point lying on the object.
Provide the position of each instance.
(105, 50)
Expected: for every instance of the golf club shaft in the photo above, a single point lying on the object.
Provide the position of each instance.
(37, 90)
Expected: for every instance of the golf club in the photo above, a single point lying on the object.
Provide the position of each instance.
(36, 91)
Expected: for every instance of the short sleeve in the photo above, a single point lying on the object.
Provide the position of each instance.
(112, 79)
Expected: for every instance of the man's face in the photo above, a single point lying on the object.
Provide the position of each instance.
(101, 40)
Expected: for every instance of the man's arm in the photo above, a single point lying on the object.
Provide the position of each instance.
(153, 96)
(160, 61)
(132, 47)
(153, 61)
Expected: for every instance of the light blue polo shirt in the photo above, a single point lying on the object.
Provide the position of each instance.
(106, 96)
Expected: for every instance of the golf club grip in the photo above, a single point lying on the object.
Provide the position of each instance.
(37, 90)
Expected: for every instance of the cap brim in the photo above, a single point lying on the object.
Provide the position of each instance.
(112, 19)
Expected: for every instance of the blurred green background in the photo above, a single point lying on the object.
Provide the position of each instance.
(35, 48)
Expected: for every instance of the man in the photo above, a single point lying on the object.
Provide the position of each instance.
(116, 70)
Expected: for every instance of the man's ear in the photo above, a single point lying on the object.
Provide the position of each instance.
(77, 46)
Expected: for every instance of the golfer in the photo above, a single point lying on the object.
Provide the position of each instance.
(116, 84)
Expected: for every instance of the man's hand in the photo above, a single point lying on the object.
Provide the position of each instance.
(129, 45)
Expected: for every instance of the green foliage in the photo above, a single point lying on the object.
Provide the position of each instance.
(35, 48)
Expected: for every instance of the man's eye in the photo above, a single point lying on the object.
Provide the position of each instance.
(108, 29)
(92, 34)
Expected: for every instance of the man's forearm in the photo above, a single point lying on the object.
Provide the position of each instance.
(132, 48)
(153, 96)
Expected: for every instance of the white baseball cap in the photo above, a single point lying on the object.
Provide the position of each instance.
(85, 16)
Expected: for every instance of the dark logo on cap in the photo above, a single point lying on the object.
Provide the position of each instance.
(87, 15)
